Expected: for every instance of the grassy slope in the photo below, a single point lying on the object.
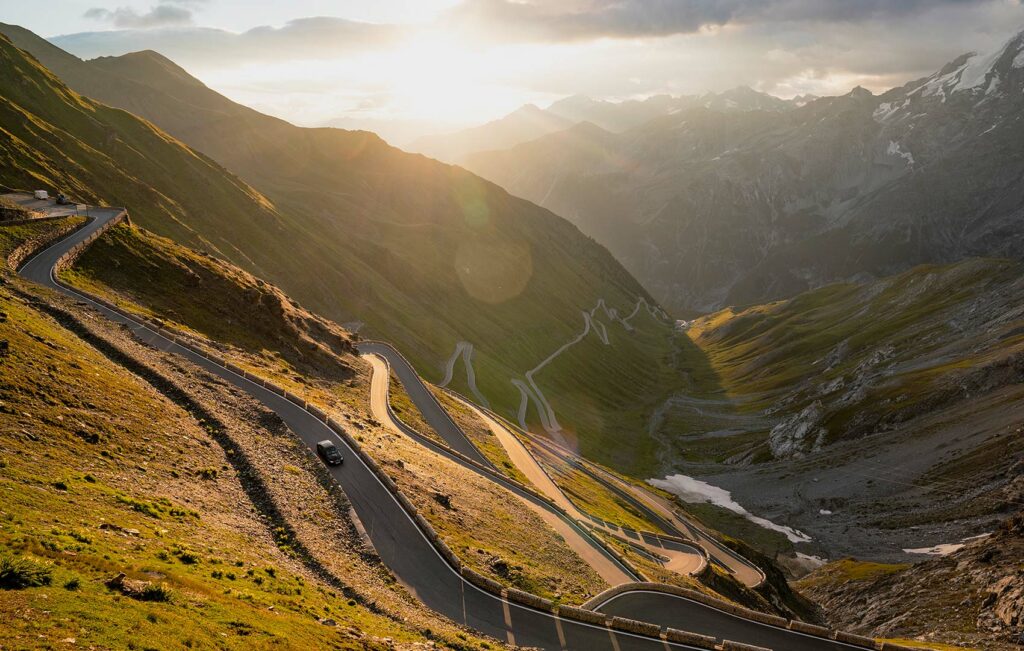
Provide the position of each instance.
(11, 237)
(480, 435)
(479, 522)
(606, 407)
(54, 138)
(590, 495)
(126, 458)
(931, 326)
(408, 412)
(211, 297)
(425, 254)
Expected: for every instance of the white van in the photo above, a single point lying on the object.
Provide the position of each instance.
(42, 194)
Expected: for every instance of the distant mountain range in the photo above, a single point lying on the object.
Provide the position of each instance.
(530, 122)
(709, 207)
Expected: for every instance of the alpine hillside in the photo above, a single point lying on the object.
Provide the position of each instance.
(876, 419)
(397, 246)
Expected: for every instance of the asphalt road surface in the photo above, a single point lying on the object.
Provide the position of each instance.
(407, 552)
(664, 609)
(437, 418)
(575, 536)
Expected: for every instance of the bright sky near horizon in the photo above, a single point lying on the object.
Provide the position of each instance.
(403, 67)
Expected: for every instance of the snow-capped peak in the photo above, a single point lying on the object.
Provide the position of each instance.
(975, 72)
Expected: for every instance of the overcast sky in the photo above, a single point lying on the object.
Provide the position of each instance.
(436, 64)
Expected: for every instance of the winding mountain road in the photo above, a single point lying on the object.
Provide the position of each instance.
(682, 559)
(404, 548)
(575, 536)
(660, 510)
(436, 417)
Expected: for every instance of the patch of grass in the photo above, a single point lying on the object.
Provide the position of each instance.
(21, 572)
(156, 508)
(11, 237)
(590, 495)
(207, 473)
(155, 592)
(848, 570)
(768, 542)
(408, 412)
(479, 434)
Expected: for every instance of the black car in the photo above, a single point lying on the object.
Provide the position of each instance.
(330, 453)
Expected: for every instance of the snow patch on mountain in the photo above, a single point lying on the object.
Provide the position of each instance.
(894, 150)
(696, 491)
(975, 72)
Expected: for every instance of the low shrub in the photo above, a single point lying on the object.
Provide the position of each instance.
(155, 592)
(16, 573)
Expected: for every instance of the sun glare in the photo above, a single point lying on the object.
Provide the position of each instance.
(433, 77)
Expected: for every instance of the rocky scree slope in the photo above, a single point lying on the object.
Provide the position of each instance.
(710, 208)
(974, 596)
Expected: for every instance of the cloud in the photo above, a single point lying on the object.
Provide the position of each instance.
(568, 20)
(540, 50)
(785, 58)
(305, 38)
(162, 15)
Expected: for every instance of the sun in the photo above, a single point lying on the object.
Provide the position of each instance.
(438, 77)
(432, 76)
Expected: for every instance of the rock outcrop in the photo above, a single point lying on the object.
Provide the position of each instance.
(973, 596)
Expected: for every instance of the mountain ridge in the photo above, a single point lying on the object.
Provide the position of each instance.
(749, 207)
(615, 117)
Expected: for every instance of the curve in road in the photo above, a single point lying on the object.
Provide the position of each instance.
(657, 508)
(663, 609)
(681, 558)
(402, 546)
(436, 417)
(464, 349)
(575, 537)
(661, 510)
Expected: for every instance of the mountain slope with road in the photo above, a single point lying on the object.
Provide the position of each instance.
(710, 208)
(421, 253)
(118, 458)
(399, 542)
